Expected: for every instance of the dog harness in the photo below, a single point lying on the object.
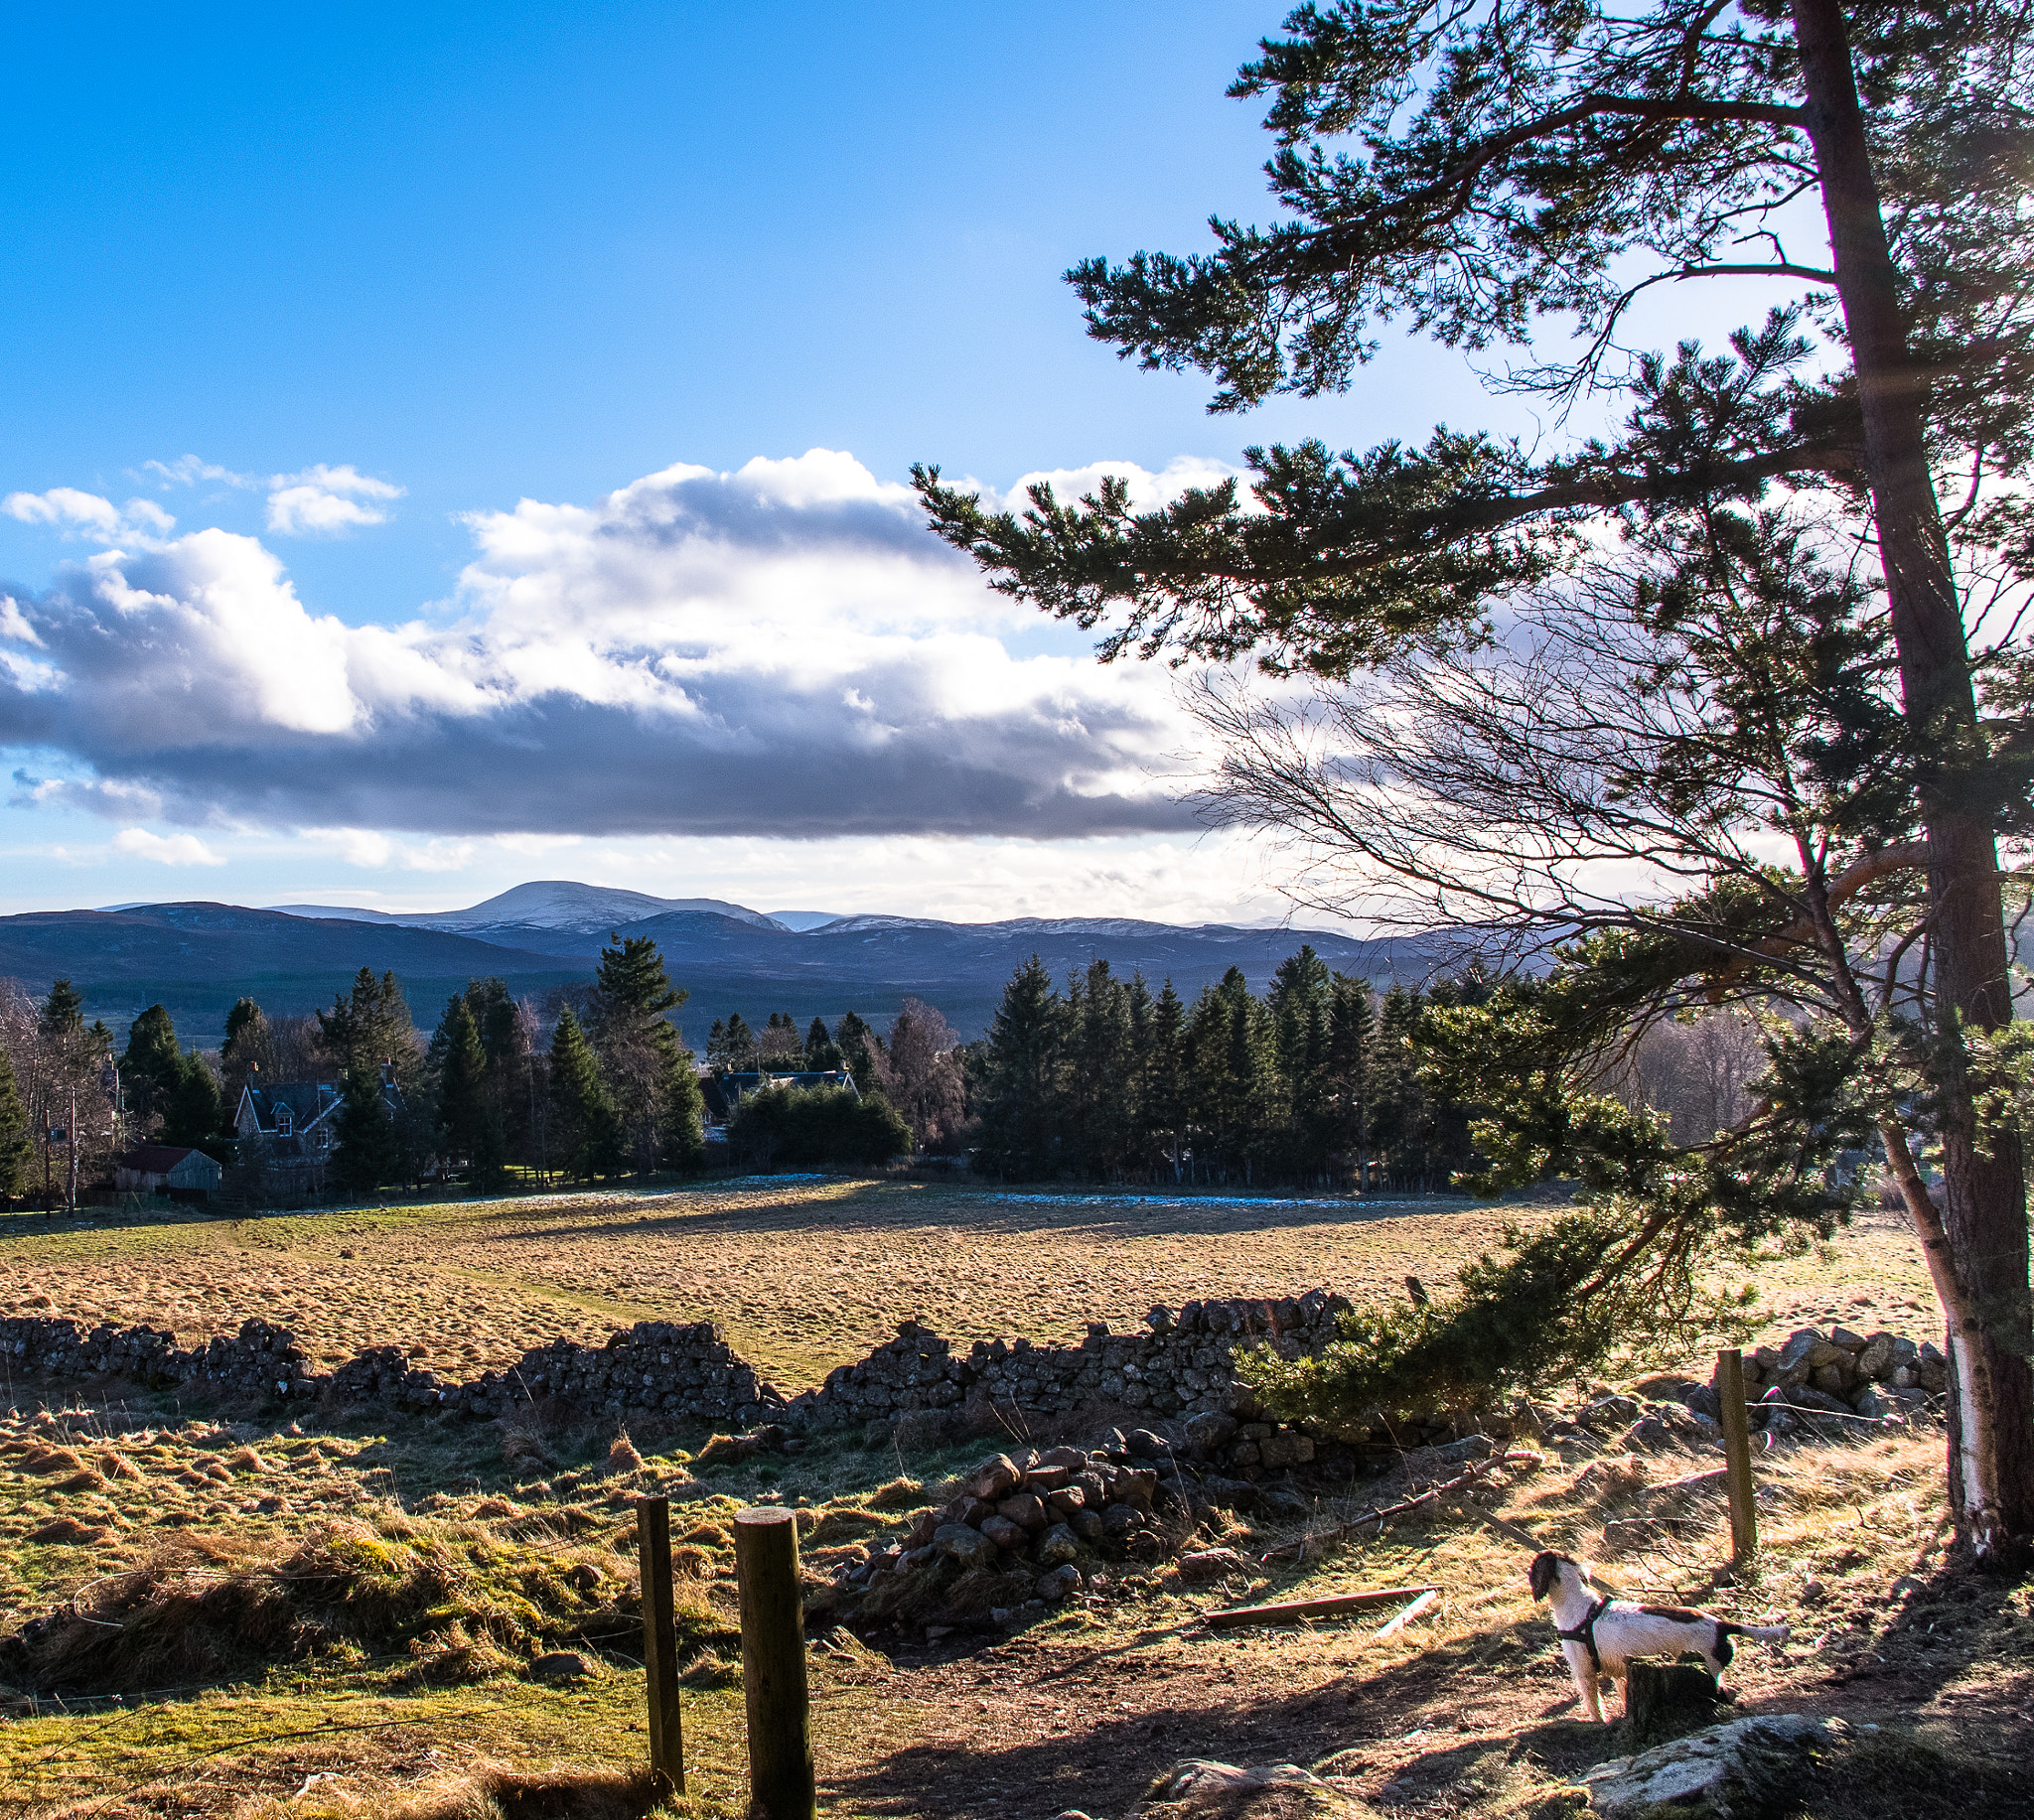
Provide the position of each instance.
(1585, 1633)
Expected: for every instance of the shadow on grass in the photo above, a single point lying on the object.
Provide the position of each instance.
(1105, 1767)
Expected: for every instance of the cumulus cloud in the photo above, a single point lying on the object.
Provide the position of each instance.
(75, 513)
(1148, 491)
(322, 501)
(166, 849)
(782, 650)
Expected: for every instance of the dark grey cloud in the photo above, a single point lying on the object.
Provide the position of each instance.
(781, 651)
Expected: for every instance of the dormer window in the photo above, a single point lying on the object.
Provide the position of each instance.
(282, 1121)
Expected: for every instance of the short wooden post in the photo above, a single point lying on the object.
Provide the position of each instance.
(1737, 1456)
(660, 1645)
(781, 1786)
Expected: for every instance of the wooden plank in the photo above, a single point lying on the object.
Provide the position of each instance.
(1737, 1456)
(1235, 1617)
(1406, 1617)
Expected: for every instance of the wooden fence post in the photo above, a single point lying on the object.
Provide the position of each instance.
(1737, 1456)
(660, 1645)
(782, 1784)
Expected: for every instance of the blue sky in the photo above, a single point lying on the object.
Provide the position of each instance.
(406, 444)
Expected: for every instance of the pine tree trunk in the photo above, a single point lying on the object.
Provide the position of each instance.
(1983, 1194)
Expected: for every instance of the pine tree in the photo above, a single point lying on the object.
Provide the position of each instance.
(15, 1149)
(462, 1066)
(859, 1047)
(365, 1155)
(650, 1071)
(1165, 1082)
(1352, 1042)
(584, 1139)
(192, 1109)
(249, 1051)
(62, 1013)
(152, 1067)
(823, 1054)
(1024, 1110)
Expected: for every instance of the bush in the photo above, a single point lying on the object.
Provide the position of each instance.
(785, 1127)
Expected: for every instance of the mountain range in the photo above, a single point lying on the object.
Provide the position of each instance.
(197, 958)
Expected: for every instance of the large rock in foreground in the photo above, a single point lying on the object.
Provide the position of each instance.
(1749, 1769)
(1198, 1789)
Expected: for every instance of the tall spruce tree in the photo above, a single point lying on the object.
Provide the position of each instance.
(650, 1071)
(1023, 1100)
(585, 1140)
(1493, 174)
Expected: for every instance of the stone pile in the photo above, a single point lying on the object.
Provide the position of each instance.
(658, 1370)
(1838, 1373)
(1018, 1534)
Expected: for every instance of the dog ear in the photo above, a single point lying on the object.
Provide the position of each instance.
(1540, 1575)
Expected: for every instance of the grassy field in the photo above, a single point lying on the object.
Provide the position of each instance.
(332, 1619)
(803, 1275)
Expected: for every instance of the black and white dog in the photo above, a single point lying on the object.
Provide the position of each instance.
(1600, 1636)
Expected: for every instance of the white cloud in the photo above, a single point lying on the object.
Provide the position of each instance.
(168, 849)
(189, 470)
(782, 650)
(1148, 491)
(322, 500)
(75, 513)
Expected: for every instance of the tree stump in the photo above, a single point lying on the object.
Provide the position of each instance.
(1665, 1700)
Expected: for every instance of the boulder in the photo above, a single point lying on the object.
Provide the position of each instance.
(1060, 1583)
(1058, 1544)
(1204, 1564)
(967, 1546)
(559, 1665)
(1198, 1786)
(1004, 1533)
(996, 1477)
(1209, 1434)
(1025, 1510)
(1744, 1770)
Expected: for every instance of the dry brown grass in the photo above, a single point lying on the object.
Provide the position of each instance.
(808, 1275)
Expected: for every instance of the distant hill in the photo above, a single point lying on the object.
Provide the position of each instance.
(545, 904)
(196, 958)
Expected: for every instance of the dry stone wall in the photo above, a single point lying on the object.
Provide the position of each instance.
(1179, 1371)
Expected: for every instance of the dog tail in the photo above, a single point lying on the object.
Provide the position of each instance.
(1763, 1633)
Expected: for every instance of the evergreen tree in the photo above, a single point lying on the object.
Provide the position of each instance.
(1023, 1109)
(247, 1052)
(365, 1155)
(650, 1071)
(823, 1054)
(192, 1109)
(1352, 1043)
(15, 1149)
(461, 1067)
(584, 1138)
(1165, 1099)
(63, 1014)
(859, 1048)
(370, 1026)
(152, 1069)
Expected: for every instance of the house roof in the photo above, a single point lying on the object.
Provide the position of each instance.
(723, 1092)
(156, 1159)
(308, 1102)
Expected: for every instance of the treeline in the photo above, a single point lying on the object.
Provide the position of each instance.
(593, 1083)
(1314, 1083)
